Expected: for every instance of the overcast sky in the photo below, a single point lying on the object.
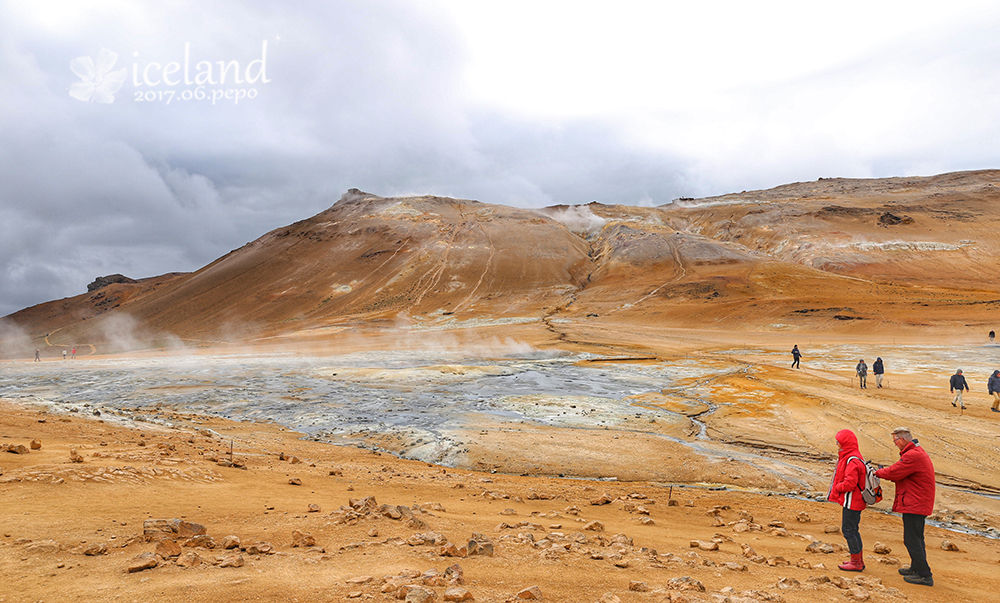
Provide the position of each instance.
(114, 157)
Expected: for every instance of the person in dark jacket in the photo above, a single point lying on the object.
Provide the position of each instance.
(993, 387)
(796, 355)
(862, 371)
(845, 490)
(958, 385)
(913, 474)
(879, 369)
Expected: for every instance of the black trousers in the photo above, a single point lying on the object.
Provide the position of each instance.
(849, 521)
(913, 538)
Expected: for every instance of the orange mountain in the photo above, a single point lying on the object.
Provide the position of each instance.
(836, 255)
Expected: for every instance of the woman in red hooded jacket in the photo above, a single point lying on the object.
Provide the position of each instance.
(845, 490)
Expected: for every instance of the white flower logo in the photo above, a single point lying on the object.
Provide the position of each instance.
(99, 83)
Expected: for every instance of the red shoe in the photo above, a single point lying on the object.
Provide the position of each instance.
(856, 564)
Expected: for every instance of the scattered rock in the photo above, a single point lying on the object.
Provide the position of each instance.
(231, 542)
(594, 526)
(189, 559)
(187, 529)
(602, 500)
(457, 593)
(302, 539)
(36, 444)
(260, 548)
(232, 561)
(97, 548)
(479, 544)
(685, 583)
(454, 575)
(704, 545)
(295, 481)
(881, 549)
(419, 594)
(858, 594)
(831, 529)
(947, 545)
(638, 586)
(786, 583)
(819, 547)
(803, 517)
(359, 580)
(202, 540)
(168, 548)
(610, 598)
(532, 593)
(143, 561)
(74, 456)
(314, 508)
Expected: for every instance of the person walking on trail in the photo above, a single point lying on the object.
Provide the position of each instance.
(862, 371)
(38, 355)
(913, 474)
(958, 385)
(845, 490)
(992, 336)
(796, 355)
(993, 387)
(64, 354)
(879, 369)
(73, 354)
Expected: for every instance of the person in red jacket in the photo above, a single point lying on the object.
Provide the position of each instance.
(845, 490)
(914, 477)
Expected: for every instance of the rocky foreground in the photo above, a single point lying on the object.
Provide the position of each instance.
(204, 509)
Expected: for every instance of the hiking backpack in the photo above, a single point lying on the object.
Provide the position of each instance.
(871, 493)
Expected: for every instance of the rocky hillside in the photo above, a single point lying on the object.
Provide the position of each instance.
(836, 254)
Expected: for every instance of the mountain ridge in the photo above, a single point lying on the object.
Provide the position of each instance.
(897, 253)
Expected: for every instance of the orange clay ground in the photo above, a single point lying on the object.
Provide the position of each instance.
(54, 511)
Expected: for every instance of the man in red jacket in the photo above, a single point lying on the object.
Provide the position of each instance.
(845, 490)
(914, 477)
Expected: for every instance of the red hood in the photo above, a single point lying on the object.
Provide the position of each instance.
(848, 443)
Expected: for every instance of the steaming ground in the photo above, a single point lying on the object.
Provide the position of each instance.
(734, 416)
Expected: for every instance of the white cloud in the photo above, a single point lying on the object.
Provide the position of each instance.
(528, 104)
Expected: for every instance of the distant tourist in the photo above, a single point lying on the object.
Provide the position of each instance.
(992, 336)
(879, 370)
(958, 385)
(913, 474)
(993, 386)
(796, 355)
(64, 354)
(38, 355)
(862, 371)
(74, 352)
(845, 490)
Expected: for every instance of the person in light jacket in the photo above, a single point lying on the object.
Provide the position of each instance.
(862, 371)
